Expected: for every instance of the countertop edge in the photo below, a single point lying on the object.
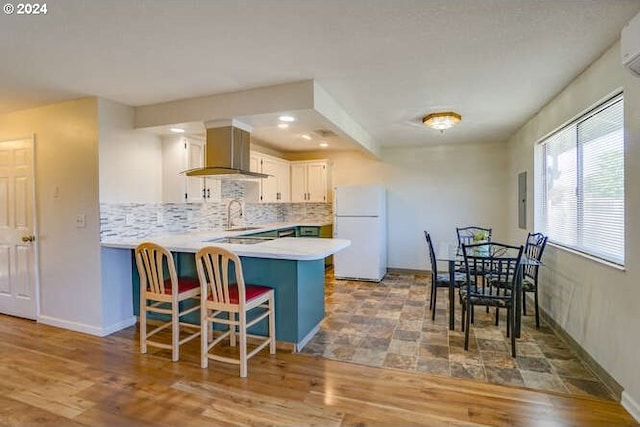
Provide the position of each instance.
(287, 248)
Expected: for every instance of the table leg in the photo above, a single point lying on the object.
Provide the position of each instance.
(518, 309)
(452, 297)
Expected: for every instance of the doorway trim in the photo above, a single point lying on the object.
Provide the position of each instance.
(36, 244)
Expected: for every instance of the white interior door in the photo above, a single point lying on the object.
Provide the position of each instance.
(18, 296)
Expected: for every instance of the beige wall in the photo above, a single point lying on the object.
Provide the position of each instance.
(596, 304)
(66, 157)
(429, 188)
(130, 160)
(438, 189)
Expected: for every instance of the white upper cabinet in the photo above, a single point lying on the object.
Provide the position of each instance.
(298, 182)
(180, 153)
(254, 162)
(275, 188)
(310, 181)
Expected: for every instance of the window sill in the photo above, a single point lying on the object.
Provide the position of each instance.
(589, 257)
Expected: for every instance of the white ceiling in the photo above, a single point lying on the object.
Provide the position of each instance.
(387, 63)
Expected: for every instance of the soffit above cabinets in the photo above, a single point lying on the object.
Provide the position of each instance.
(319, 122)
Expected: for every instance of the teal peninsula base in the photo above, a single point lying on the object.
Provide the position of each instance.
(298, 286)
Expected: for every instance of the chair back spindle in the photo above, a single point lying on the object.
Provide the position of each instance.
(536, 242)
(213, 269)
(152, 261)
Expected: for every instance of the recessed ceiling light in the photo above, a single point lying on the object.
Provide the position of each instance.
(307, 137)
(324, 145)
(177, 130)
(283, 125)
(287, 119)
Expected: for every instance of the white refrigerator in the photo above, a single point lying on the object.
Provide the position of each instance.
(360, 216)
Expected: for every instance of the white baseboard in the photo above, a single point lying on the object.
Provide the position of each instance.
(630, 405)
(84, 328)
(299, 346)
(119, 326)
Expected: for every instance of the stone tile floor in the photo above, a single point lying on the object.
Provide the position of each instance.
(389, 324)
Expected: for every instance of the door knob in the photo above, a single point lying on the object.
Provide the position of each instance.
(28, 238)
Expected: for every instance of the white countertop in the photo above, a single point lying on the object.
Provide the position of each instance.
(291, 248)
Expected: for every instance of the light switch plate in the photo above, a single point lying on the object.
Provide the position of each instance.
(81, 221)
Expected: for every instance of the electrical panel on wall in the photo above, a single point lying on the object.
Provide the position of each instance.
(522, 200)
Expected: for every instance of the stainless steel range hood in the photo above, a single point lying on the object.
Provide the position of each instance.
(226, 154)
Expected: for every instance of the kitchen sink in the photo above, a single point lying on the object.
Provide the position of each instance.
(242, 240)
(242, 228)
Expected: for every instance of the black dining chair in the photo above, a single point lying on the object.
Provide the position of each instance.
(439, 280)
(503, 262)
(468, 236)
(534, 247)
(473, 234)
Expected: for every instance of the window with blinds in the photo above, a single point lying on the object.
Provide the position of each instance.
(581, 197)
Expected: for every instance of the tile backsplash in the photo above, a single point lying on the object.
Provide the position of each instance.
(145, 219)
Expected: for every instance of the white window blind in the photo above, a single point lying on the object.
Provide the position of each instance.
(581, 202)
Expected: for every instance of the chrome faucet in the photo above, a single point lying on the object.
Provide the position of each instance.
(229, 219)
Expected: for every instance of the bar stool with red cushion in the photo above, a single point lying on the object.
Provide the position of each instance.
(162, 294)
(228, 304)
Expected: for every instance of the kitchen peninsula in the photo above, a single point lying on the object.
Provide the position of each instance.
(292, 266)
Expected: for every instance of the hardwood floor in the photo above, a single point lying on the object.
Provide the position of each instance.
(52, 376)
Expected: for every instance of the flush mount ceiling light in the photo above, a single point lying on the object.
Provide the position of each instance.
(287, 119)
(324, 145)
(441, 121)
(177, 130)
(306, 136)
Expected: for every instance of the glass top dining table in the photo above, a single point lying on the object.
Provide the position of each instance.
(452, 254)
